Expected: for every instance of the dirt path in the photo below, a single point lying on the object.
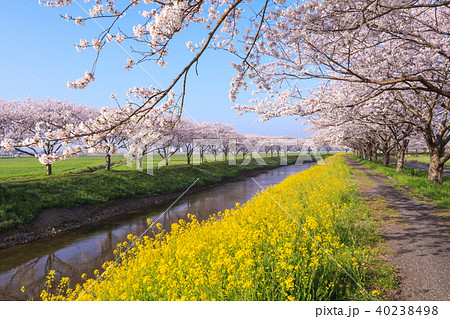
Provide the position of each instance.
(419, 242)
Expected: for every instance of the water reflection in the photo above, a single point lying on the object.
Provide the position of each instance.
(83, 250)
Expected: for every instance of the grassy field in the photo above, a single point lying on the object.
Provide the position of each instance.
(256, 251)
(21, 200)
(29, 168)
(421, 158)
(26, 168)
(417, 180)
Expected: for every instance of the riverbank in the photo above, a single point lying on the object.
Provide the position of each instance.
(76, 201)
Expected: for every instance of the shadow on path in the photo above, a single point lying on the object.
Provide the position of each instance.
(420, 243)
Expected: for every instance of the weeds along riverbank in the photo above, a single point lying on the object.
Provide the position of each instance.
(308, 238)
(21, 201)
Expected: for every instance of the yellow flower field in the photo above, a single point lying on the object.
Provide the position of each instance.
(281, 245)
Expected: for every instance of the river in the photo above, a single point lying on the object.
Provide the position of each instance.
(83, 250)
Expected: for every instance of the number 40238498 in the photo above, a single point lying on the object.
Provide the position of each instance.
(407, 310)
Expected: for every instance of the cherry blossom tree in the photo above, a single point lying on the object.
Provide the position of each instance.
(146, 132)
(227, 135)
(204, 133)
(108, 142)
(41, 128)
(237, 146)
(398, 46)
(187, 132)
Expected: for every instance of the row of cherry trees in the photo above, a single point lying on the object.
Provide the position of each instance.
(53, 130)
(204, 138)
(41, 128)
(385, 64)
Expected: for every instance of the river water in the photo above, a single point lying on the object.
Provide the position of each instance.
(83, 250)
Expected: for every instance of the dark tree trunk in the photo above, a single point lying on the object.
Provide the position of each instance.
(374, 154)
(108, 162)
(402, 150)
(386, 157)
(48, 169)
(436, 168)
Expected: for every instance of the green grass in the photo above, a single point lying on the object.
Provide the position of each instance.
(25, 168)
(373, 213)
(28, 168)
(20, 201)
(363, 230)
(417, 180)
(422, 158)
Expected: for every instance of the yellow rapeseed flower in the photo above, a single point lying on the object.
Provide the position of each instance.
(252, 252)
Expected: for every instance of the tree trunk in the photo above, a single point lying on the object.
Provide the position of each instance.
(188, 159)
(402, 149)
(139, 162)
(108, 162)
(166, 160)
(386, 157)
(48, 168)
(374, 155)
(215, 156)
(436, 169)
(401, 159)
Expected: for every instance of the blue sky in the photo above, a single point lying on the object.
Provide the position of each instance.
(38, 57)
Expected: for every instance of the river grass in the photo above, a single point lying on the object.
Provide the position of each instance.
(21, 200)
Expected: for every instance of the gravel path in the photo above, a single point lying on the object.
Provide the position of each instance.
(420, 243)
